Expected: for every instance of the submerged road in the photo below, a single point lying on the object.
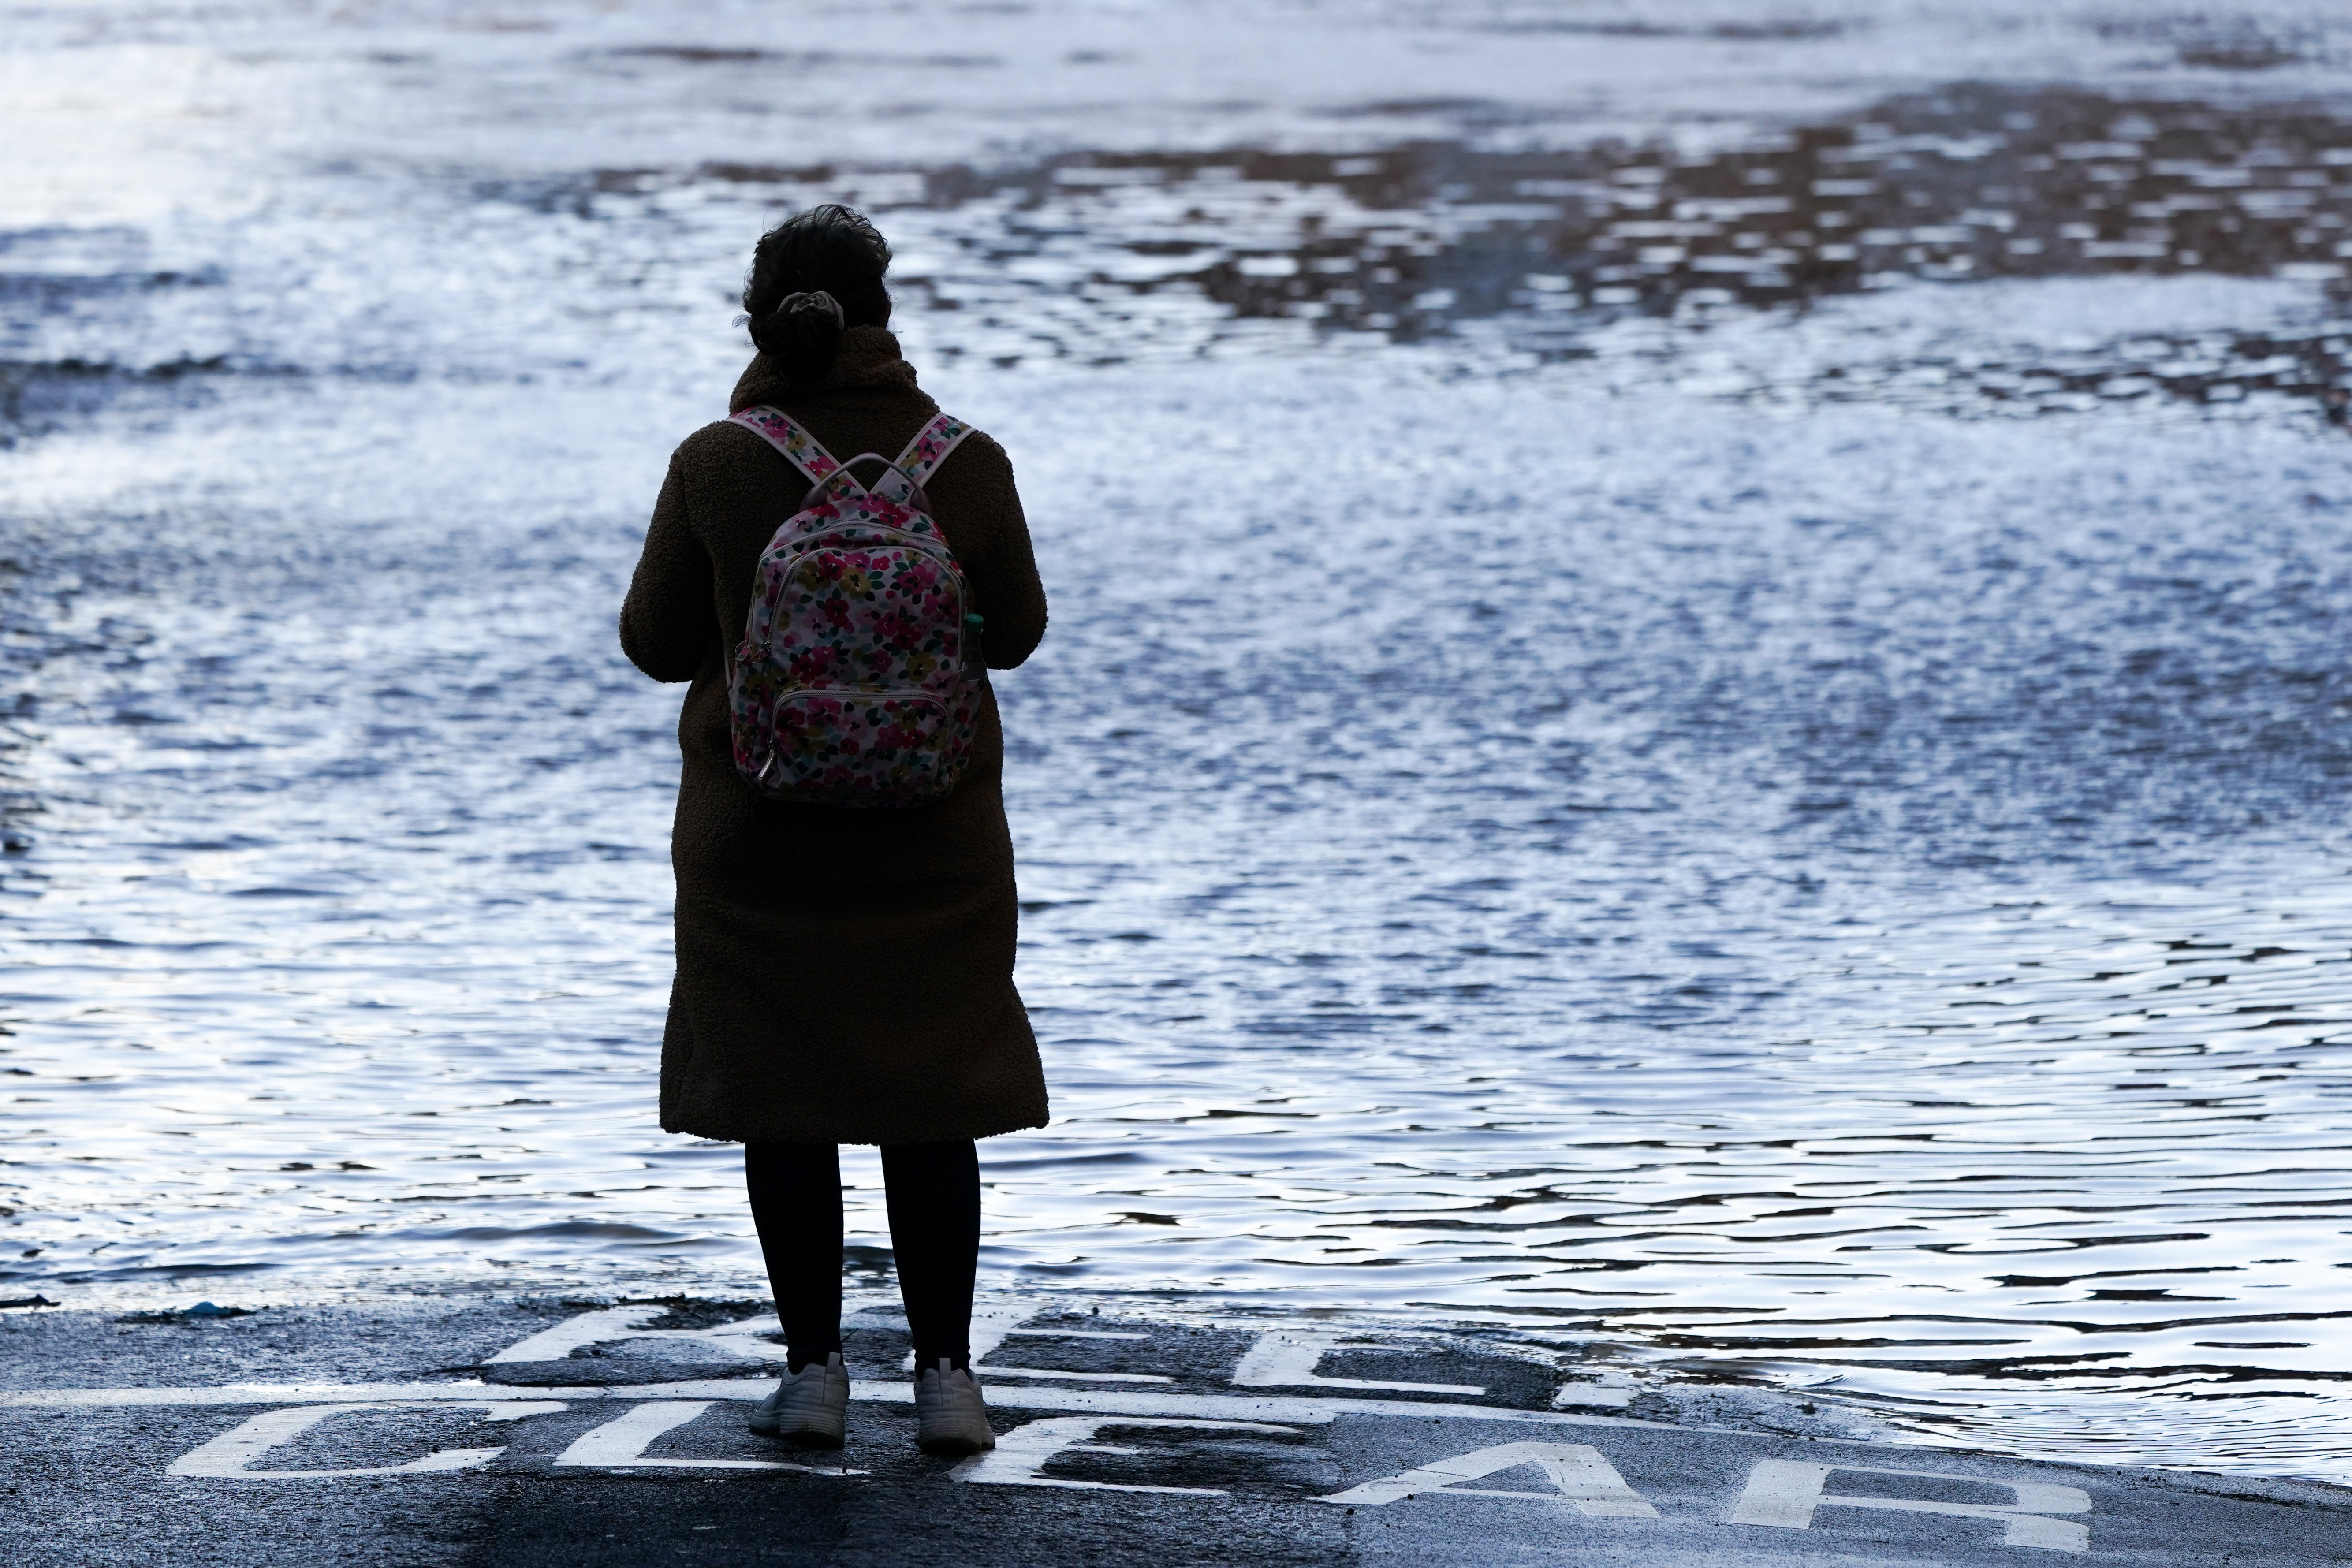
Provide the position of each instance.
(486, 1431)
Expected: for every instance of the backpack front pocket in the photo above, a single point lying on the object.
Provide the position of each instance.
(862, 748)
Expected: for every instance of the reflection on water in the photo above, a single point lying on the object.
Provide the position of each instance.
(1786, 886)
(1971, 183)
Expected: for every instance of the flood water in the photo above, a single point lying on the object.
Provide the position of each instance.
(1720, 743)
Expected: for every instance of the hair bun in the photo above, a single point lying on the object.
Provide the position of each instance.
(802, 334)
(815, 305)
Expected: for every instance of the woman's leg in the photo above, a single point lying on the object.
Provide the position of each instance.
(933, 1192)
(796, 1205)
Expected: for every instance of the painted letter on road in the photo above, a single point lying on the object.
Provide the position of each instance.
(1019, 1457)
(1785, 1492)
(1581, 1473)
(229, 1454)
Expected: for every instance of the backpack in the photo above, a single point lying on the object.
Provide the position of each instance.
(856, 683)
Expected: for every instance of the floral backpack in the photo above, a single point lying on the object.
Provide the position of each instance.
(857, 682)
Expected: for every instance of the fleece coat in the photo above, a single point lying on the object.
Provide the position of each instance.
(844, 975)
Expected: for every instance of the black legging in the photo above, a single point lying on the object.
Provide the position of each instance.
(932, 1191)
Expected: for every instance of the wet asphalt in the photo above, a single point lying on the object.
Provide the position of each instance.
(527, 1433)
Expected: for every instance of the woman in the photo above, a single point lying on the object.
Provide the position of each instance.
(844, 975)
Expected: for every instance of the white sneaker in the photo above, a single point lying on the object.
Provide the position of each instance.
(810, 1408)
(951, 1421)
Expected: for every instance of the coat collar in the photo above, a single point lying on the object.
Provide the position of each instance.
(868, 358)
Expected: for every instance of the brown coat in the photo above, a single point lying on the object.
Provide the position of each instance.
(844, 975)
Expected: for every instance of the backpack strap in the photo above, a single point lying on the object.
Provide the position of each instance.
(800, 448)
(930, 447)
(902, 482)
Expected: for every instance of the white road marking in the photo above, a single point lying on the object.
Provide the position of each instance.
(993, 1370)
(1785, 1492)
(469, 1391)
(1279, 1360)
(875, 1316)
(1592, 1393)
(577, 1333)
(989, 1327)
(1782, 1493)
(1287, 1359)
(230, 1453)
(1259, 1407)
(992, 1330)
(1119, 1401)
(994, 1326)
(619, 1443)
(744, 1339)
(1021, 1453)
(1581, 1473)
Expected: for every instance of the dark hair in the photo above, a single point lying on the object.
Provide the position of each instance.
(812, 277)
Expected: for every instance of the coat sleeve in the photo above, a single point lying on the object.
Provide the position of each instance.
(1000, 562)
(665, 625)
